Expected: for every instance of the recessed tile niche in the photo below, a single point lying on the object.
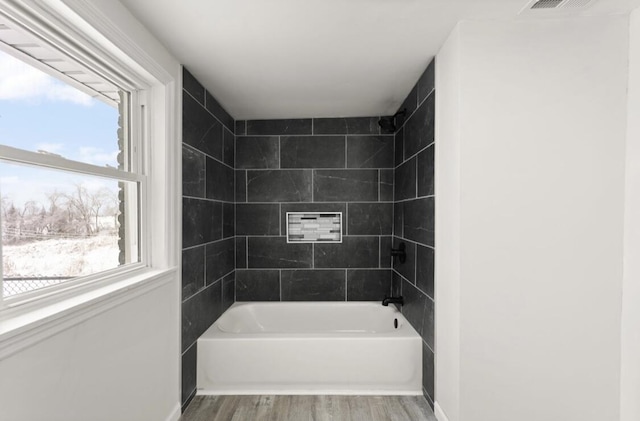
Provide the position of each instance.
(308, 227)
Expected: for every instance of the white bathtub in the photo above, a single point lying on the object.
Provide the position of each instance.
(298, 348)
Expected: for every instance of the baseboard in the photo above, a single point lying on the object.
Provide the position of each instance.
(175, 414)
(440, 415)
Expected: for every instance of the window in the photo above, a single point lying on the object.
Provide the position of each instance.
(72, 167)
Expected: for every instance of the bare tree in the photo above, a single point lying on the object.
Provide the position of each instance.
(80, 209)
(75, 213)
(102, 199)
(10, 221)
(6, 203)
(57, 215)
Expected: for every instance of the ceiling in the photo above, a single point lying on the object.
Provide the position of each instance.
(316, 58)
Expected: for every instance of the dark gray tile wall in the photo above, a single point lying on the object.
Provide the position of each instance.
(312, 285)
(188, 375)
(208, 220)
(312, 152)
(413, 216)
(365, 125)
(304, 165)
(241, 177)
(367, 284)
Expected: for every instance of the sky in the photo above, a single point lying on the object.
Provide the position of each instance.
(41, 113)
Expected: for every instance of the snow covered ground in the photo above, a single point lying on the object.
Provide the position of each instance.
(56, 258)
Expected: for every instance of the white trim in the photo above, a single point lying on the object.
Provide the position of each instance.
(175, 414)
(2, 303)
(57, 162)
(440, 415)
(28, 301)
(57, 26)
(140, 226)
(106, 31)
(42, 66)
(21, 332)
(164, 166)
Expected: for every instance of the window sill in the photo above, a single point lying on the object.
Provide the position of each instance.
(27, 328)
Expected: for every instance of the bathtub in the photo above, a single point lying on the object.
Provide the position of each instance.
(310, 348)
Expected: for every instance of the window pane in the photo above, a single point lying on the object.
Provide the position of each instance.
(58, 225)
(39, 113)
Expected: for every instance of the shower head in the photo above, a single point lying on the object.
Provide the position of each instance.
(388, 123)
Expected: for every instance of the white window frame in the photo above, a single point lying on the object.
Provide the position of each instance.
(77, 28)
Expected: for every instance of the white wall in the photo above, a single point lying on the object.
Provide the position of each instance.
(121, 364)
(447, 271)
(630, 369)
(542, 120)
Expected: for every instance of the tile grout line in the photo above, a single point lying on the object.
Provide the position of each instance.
(184, 144)
(346, 155)
(317, 242)
(206, 286)
(415, 155)
(408, 240)
(414, 285)
(189, 347)
(207, 199)
(379, 181)
(415, 266)
(207, 243)
(428, 346)
(416, 175)
(431, 196)
(315, 269)
(332, 202)
(206, 109)
(319, 169)
(346, 286)
(372, 135)
(346, 218)
(418, 104)
(204, 272)
(380, 252)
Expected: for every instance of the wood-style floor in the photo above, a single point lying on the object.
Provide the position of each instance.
(308, 408)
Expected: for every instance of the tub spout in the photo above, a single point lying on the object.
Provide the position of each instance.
(392, 300)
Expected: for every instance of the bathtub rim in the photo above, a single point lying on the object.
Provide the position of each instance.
(406, 332)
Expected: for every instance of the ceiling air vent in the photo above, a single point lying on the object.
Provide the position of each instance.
(576, 3)
(546, 4)
(537, 6)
